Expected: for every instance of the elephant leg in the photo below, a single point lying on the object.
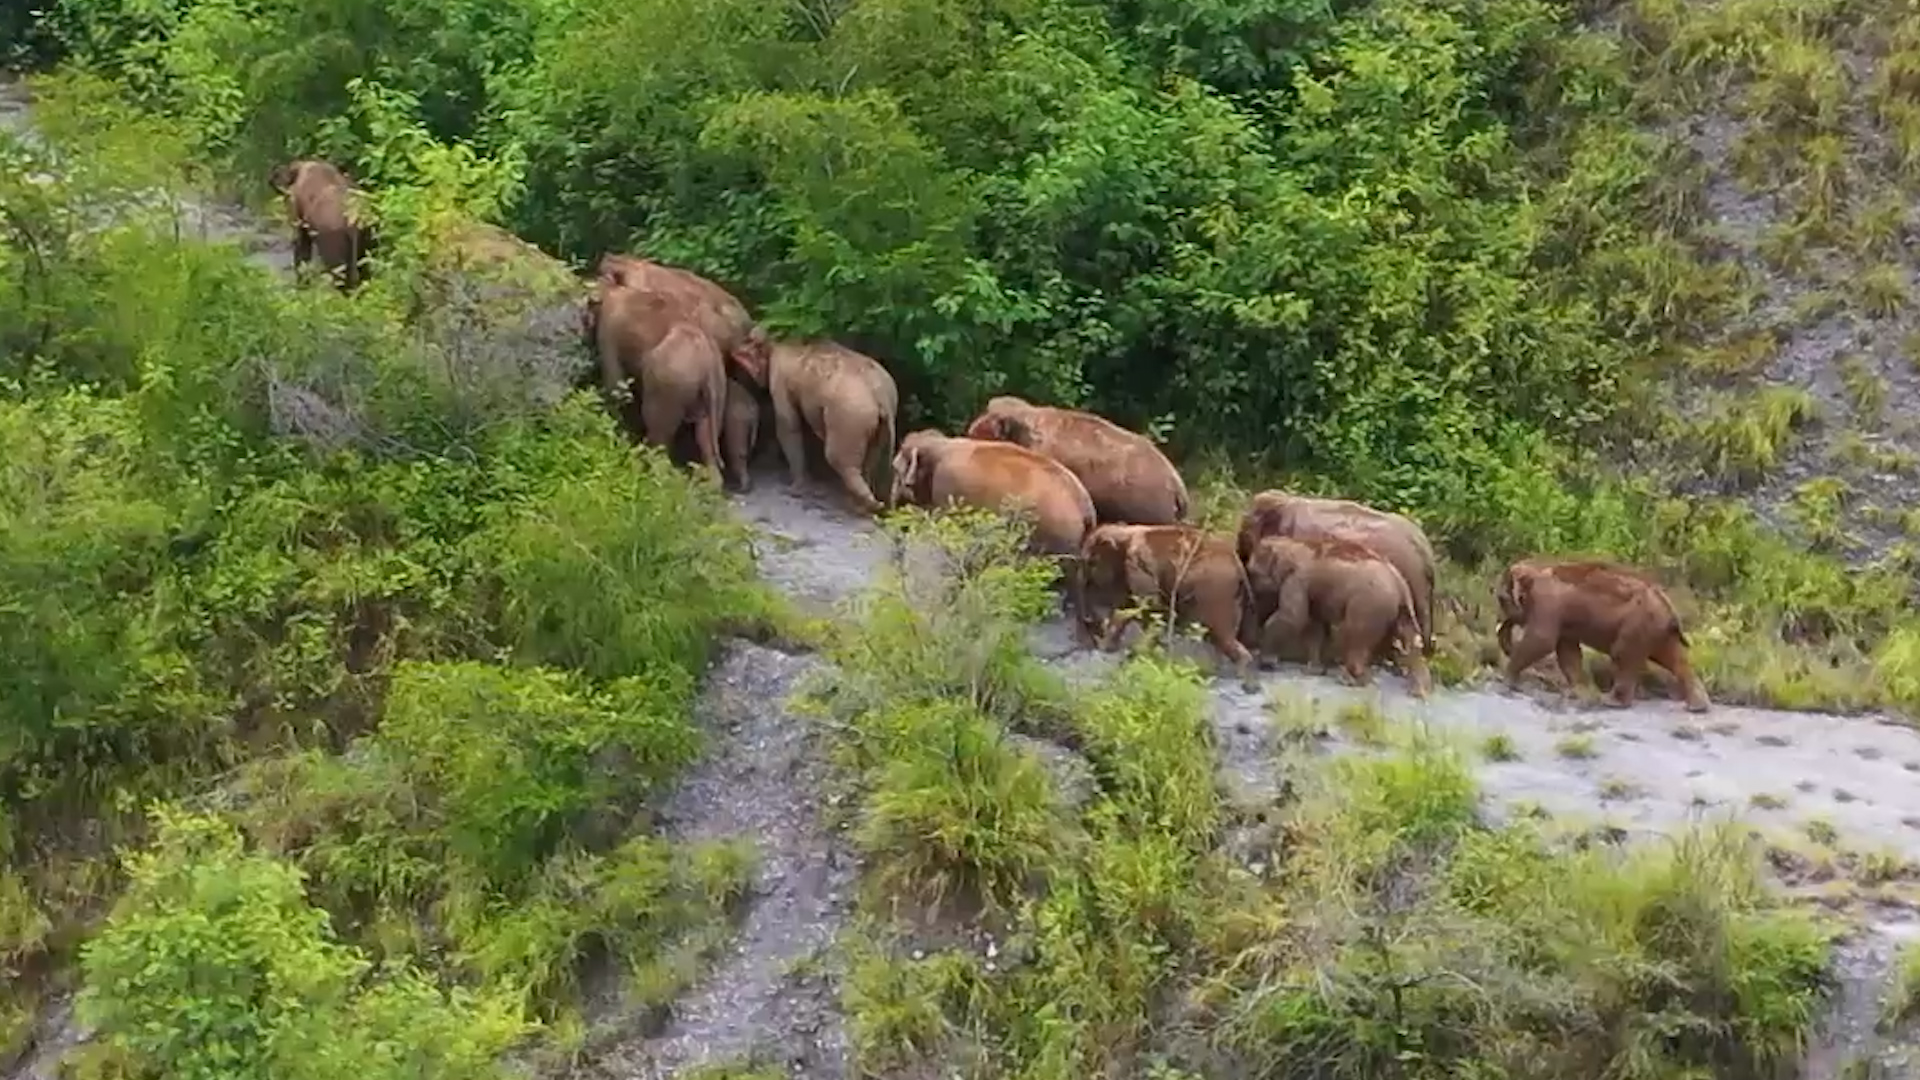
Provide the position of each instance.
(793, 447)
(1290, 621)
(1224, 634)
(706, 435)
(845, 444)
(1672, 655)
(1534, 646)
(660, 418)
(1355, 648)
(1629, 664)
(1566, 654)
(1419, 675)
(302, 246)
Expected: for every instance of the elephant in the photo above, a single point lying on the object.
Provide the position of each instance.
(1562, 604)
(676, 366)
(1185, 569)
(699, 300)
(1130, 480)
(319, 199)
(740, 431)
(1394, 536)
(1332, 587)
(847, 399)
(933, 469)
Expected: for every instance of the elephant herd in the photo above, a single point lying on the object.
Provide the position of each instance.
(1302, 573)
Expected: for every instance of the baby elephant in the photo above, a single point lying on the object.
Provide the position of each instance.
(1186, 570)
(1561, 605)
(1128, 478)
(1329, 586)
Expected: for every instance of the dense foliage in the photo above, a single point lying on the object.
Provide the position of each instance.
(1394, 244)
(414, 646)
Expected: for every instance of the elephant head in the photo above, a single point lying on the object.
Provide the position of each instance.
(283, 176)
(913, 465)
(1273, 561)
(1003, 420)
(753, 355)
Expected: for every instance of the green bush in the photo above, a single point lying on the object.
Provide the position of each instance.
(213, 965)
(1367, 924)
(433, 640)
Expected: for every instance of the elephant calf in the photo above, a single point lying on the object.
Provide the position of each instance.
(1394, 536)
(1186, 570)
(1561, 605)
(319, 199)
(1128, 478)
(1330, 587)
(846, 398)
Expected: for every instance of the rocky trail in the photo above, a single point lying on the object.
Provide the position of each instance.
(771, 993)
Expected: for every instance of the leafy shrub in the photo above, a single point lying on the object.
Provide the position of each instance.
(213, 965)
(1369, 924)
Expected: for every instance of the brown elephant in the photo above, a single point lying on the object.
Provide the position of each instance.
(699, 300)
(1186, 570)
(320, 201)
(1130, 480)
(1561, 605)
(740, 431)
(1330, 587)
(845, 398)
(932, 469)
(1394, 536)
(674, 365)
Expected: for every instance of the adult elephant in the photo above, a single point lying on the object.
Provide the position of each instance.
(674, 365)
(1129, 479)
(1560, 605)
(844, 397)
(932, 469)
(1395, 536)
(320, 200)
(698, 300)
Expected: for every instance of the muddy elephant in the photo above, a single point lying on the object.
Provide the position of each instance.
(696, 299)
(933, 470)
(1561, 605)
(1130, 480)
(320, 201)
(1394, 536)
(847, 399)
(1332, 590)
(674, 366)
(1187, 571)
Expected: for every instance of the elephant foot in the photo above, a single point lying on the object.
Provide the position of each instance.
(1699, 704)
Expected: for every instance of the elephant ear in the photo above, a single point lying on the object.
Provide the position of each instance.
(1014, 430)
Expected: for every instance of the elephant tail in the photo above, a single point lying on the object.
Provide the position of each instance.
(1182, 505)
(882, 448)
(1407, 625)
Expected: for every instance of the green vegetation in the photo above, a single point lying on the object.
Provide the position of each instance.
(1374, 926)
(343, 650)
(375, 708)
